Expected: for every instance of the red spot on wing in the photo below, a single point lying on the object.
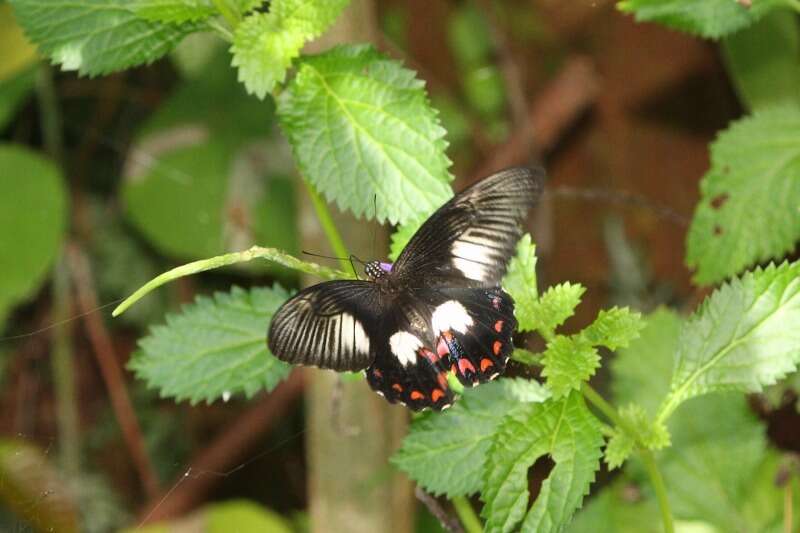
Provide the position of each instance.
(498, 326)
(441, 347)
(436, 394)
(464, 365)
(453, 368)
(429, 355)
(397, 387)
(442, 378)
(496, 347)
(486, 363)
(417, 395)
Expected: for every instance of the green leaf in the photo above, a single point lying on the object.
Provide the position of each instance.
(641, 372)
(520, 283)
(617, 509)
(96, 36)
(174, 11)
(614, 328)
(619, 447)
(214, 347)
(33, 489)
(566, 431)
(707, 18)
(719, 448)
(555, 306)
(750, 196)
(231, 515)
(650, 434)
(445, 453)
(762, 60)
(19, 55)
(745, 335)
(13, 92)
(32, 221)
(265, 44)
(402, 235)
(361, 128)
(568, 362)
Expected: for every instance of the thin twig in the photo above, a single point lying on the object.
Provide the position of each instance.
(448, 521)
(225, 454)
(112, 374)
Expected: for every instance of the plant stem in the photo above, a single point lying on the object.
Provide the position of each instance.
(660, 489)
(225, 10)
(470, 521)
(328, 226)
(647, 455)
(64, 375)
(50, 116)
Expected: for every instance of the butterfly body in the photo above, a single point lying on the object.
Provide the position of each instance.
(438, 309)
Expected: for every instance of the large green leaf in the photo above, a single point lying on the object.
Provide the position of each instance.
(197, 184)
(364, 133)
(745, 335)
(750, 196)
(265, 44)
(96, 36)
(563, 429)
(520, 283)
(32, 221)
(214, 348)
(708, 18)
(615, 510)
(174, 11)
(763, 60)
(445, 452)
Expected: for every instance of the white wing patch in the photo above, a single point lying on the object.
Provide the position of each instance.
(470, 269)
(358, 341)
(451, 315)
(404, 346)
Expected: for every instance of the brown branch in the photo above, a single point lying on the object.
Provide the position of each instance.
(222, 456)
(110, 369)
(448, 521)
(551, 113)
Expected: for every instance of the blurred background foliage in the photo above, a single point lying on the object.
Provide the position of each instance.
(172, 162)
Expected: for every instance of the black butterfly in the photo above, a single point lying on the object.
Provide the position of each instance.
(438, 308)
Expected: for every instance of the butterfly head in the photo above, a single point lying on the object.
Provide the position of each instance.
(376, 270)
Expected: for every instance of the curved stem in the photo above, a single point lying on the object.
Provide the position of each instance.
(470, 521)
(328, 226)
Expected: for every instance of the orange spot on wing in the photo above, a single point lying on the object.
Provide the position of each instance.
(486, 363)
(436, 394)
(397, 387)
(498, 326)
(442, 377)
(464, 365)
(496, 347)
(453, 368)
(417, 395)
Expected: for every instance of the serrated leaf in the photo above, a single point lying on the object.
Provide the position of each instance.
(568, 362)
(650, 434)
(32, 221)
(571, 436)
(96, 36)
(361, 128)
(520, 283)
(750, 205)
(707, 18)
(762, 60)
(555, 306)
(174, 11)
(619, 447)
(745, 335)
(614, 328)
(641, 372)
(214, 347)
(265, 44)
(445, 452)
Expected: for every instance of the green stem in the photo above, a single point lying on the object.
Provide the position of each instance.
(64, 375)
(465, 512)
(647, 455)
(271, 254)
(225, 10)
(328, 226)
(50, 115)
(658, 485)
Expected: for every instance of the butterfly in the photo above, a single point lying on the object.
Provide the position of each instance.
(439, 308)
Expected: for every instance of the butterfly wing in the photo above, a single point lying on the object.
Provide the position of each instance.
(329, 325)
(468, 241)
(407, 369)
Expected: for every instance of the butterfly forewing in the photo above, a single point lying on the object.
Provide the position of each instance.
(329, 325)
(468, 241)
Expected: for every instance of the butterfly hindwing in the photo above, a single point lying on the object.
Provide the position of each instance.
(468, 241)
(474, 328)
(329, 325)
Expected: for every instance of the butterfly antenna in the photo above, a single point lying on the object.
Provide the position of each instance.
(353, 257)
(374, 229)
